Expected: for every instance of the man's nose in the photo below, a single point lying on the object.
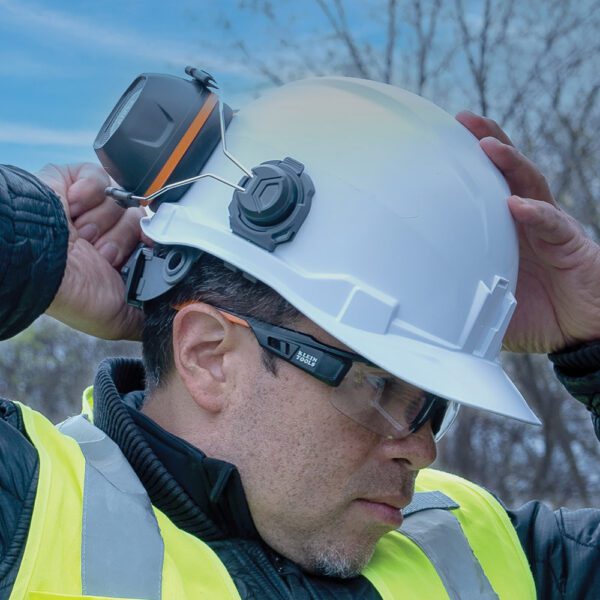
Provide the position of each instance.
(418, 450)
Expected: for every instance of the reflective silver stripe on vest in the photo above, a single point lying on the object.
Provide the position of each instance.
(429, 523)
(428, 500)
(121, 548)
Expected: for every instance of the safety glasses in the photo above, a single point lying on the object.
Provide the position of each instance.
(368, 395)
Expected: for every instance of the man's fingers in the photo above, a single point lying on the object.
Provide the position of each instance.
(554, 236)
(523, 177)
(93, 212)
(550, 223)
(94, 223)
(482, 127)
(87, 189)
(117, 244)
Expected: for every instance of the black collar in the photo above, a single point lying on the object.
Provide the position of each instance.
(201, 495)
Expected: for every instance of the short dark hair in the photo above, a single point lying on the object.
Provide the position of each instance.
(212, 281)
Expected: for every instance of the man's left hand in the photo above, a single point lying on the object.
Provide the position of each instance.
(558, 289)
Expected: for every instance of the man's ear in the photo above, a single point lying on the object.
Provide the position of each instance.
(201, 339)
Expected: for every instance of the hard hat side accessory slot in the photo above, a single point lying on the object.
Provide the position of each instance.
(151, 272)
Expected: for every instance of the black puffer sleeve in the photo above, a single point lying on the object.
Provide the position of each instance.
(578, 369)
(33, 248)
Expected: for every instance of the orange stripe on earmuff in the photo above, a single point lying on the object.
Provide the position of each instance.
(184, 143)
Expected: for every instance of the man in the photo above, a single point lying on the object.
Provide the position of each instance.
(321, 471)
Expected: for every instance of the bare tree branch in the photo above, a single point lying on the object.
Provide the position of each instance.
(261, 66)
(391, 41)
(340, 26)
(425, 33)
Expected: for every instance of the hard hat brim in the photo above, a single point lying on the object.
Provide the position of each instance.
(451, 374)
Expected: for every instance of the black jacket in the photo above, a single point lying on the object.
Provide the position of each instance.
(204, 496)
(33, 249)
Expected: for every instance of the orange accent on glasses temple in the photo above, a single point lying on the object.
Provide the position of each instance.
(235, 320)
(231, 318)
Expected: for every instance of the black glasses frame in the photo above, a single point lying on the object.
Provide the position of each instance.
(326, 363)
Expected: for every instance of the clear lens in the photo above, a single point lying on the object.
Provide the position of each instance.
(450, 415)
(383, 404)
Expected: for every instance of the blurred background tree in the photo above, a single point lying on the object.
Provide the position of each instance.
(48, 366)
(532, 66)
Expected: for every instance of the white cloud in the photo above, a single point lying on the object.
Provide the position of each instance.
(109, 37)
(19, 133)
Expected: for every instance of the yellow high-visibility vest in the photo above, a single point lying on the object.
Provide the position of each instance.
(90, 510)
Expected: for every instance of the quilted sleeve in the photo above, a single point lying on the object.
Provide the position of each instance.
(33, 248)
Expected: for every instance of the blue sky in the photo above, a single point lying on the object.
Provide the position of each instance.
(64, 64)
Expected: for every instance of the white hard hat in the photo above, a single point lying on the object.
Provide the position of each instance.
(408, 254)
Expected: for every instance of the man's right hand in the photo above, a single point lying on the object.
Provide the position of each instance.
(102, 235)
(558, 290)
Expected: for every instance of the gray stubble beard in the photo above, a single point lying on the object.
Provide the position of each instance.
(336, 562)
